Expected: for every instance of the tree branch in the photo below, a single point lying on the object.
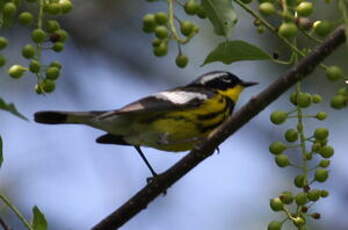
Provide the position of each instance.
(164, 180)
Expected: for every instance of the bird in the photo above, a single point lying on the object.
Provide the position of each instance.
(173, 120)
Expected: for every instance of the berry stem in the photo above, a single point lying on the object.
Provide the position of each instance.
(310, 37)
(8, 203)
(172, 26)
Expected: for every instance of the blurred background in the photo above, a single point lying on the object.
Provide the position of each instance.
(108, 62)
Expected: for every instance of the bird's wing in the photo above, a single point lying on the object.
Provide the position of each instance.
(171, 100)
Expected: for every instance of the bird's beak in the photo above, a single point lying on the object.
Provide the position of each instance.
(248, 83)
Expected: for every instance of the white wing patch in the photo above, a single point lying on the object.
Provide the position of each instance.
(179, 97)
(211, 76)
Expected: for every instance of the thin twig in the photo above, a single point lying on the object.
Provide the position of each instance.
(4, 225)
(164, 180)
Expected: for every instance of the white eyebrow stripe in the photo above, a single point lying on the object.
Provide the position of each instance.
(211, 77)
(179, 97)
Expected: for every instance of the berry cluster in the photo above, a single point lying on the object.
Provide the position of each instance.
(340, 100)
(317, 155)
(164, 26)
(47, 34)
(295, 16)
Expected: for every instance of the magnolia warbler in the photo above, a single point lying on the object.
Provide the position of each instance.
(172, 120)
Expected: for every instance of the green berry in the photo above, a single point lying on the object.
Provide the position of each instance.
(291, 135)
(181, 61)
(343, 91)
(304, 9)
(279, 117)
(327, 151)
(186, 27)
(28, 51)
(316, 98)
(161, 18)
(156, 42)
(52, 26)
(149, 23)
(38, 35)
(338, 102)
(261, 29)
(65, 6)
(316, 147)
(300, 181)
(16, 71)
(308, 156)
(304, 100)
(38, 89)
(161, 32)
(322, 28)
(275, 225)
(276, 204)
(301, 198)
(63, 35)
(48, 85)
(34, 66)
(321, 175)
(56, 64)
(321, 133)
(321, 116)
(267, 8)
(3, 43)
(52, 73)
(313, 195)
(324, 193)
(286, 197)
(2, 60)
(58, 46)
(287, 30)
(191, 7)
(161, 50)
(287, 16)
(324, 163)
(334, 73)
(277, 147)
(201, 13)
(53, 8)
(282, 160)
(298, 221)
(9, 9)
(25, 18)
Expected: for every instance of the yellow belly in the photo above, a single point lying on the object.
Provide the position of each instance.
(179, 130)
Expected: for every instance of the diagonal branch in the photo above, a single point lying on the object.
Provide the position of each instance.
(164, 180)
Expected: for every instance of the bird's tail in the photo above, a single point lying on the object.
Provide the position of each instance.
(62, 117)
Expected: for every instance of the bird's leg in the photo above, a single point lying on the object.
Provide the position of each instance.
(154, 174)
(217, 150)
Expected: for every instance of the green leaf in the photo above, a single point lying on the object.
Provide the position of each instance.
(39, 220)
(11, 108)
(233, 51)
(1, 155)
(221, 14)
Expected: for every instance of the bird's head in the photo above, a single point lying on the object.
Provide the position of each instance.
(226, 83)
